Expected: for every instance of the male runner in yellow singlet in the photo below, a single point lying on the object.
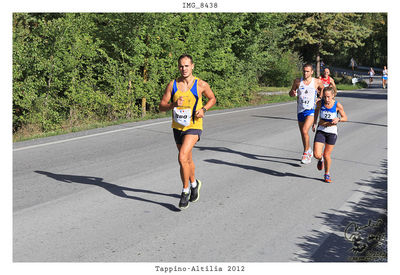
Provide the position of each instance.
(184, 97)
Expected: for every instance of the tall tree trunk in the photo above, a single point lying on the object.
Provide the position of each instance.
(143, 106)
(130, 108)
(318, 68)
(145, 78)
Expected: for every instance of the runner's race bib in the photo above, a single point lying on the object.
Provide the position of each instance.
(307, 103)
(306, 98)
(328, 116)
(182, 116)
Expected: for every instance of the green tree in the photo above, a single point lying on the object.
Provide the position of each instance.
(374, 51)
(316, 34)
(76, 67)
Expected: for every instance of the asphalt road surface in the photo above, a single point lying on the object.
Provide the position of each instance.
(111, 195)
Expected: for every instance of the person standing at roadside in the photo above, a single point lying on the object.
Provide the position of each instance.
(353, 64)
(371, 76)
(184, 97)
(307, 89)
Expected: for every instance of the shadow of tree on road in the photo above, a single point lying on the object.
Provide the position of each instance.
(362, 95)
(357, 233)
(112, 188)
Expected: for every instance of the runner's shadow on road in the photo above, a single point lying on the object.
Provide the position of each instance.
(251, 156)
(112, 188)
(260, 169)
(275, 117)
(367, 123)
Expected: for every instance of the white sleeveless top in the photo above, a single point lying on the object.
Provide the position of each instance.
(328, 114)
(306, 96)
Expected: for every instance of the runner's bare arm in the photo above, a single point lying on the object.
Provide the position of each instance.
(333, 82)
(165, 104)
(343, 116)
(316, 115)
(206, 90)
(334, 85)
(320, 88)
(295, 86)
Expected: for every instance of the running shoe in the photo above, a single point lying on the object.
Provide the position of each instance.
(327, 178)
(306, 158)
(184, 202)
(320, 164)
(195, 192)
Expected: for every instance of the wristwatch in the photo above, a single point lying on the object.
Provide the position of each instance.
(204, 109)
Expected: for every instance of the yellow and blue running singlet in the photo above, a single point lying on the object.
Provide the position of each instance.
(183, 118)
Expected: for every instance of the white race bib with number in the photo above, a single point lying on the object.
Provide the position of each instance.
(326, 115)
(307, 99)
(182, 116)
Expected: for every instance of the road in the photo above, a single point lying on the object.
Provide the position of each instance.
(111, 195)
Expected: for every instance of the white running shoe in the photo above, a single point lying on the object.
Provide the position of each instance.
(306, 158)
(310, 154)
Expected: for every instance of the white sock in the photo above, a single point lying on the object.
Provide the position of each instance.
(193, 184)
(185, 190)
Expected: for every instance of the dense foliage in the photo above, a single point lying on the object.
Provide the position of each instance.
(69, 68)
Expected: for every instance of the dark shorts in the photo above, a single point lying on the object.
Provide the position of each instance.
(301, 117)
(178, 134)
(327, 138)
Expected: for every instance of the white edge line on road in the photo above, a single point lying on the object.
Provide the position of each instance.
(142, 126)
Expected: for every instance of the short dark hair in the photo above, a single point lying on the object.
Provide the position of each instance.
(187, 56)
(308, 65)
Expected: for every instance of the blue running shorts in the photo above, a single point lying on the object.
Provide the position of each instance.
(301, 117)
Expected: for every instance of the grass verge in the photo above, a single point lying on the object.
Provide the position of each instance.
(258, 98)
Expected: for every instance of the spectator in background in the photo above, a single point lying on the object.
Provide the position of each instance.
(371, 76)
(384, 77)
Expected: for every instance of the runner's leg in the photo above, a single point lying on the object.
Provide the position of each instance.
(301, 126)
(318, 148)
(185, 159)
(192, 168)
(327, 157)
(304, 129)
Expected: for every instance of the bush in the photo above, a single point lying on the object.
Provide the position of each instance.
(72, 68)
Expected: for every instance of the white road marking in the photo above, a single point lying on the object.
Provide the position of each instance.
(140, 126)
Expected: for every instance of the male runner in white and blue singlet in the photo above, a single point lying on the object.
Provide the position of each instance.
(307, 89)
